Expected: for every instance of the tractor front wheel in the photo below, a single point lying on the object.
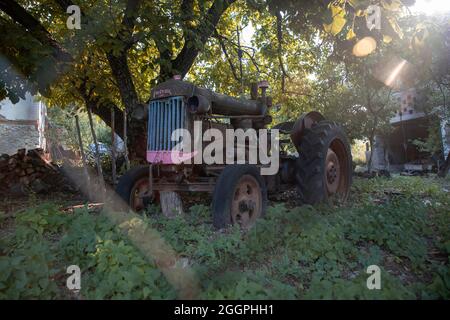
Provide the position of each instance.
(133, 188)
(240, 197)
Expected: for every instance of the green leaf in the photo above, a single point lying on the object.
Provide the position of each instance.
(392, 5)
(339, 21)
(350, 34)
(387, 39)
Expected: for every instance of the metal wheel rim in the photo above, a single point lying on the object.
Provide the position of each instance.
(246, 205)
(336, 171)
(138, 193)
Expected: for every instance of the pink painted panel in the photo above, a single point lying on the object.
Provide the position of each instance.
(169, 157)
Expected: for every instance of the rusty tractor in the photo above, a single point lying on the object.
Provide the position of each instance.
(314, 154)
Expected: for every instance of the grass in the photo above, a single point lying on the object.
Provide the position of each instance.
(401, 225)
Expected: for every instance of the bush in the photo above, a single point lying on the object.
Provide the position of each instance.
(400, 224)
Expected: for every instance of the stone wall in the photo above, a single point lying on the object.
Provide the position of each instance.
(14, 136)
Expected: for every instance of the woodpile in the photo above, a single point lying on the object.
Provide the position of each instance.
(26, 172)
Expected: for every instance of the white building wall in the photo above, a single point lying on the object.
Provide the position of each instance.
(406, 106)
(22, 125)
(27, 109)
(445, 134)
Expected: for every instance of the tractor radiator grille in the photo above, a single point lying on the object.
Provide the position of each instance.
(165, 116)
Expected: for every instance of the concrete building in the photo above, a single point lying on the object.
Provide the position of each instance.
(397, 152)
(22, 125)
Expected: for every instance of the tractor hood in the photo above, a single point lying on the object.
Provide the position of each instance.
(218, 103)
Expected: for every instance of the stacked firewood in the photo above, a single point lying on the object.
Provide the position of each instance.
(26, 172)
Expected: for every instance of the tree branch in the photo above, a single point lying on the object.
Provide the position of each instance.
(37, 31)
(280, 50)
(224, 50)
(128, 22)
(35, 28)
(251, 56)
(119, 62)
(195, 39)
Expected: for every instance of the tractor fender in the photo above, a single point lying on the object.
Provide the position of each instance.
(306, 121)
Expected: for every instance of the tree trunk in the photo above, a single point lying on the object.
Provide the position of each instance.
(137, 139)
(128, 94)
(371, 143)
(113, 148)
(195, 38)
(97, 153)
(83, 156)
(445, 167)
(372, 135)
(125, 139)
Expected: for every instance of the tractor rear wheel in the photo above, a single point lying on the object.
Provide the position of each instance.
(240, 197)
(324, 167)
(133, 188)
